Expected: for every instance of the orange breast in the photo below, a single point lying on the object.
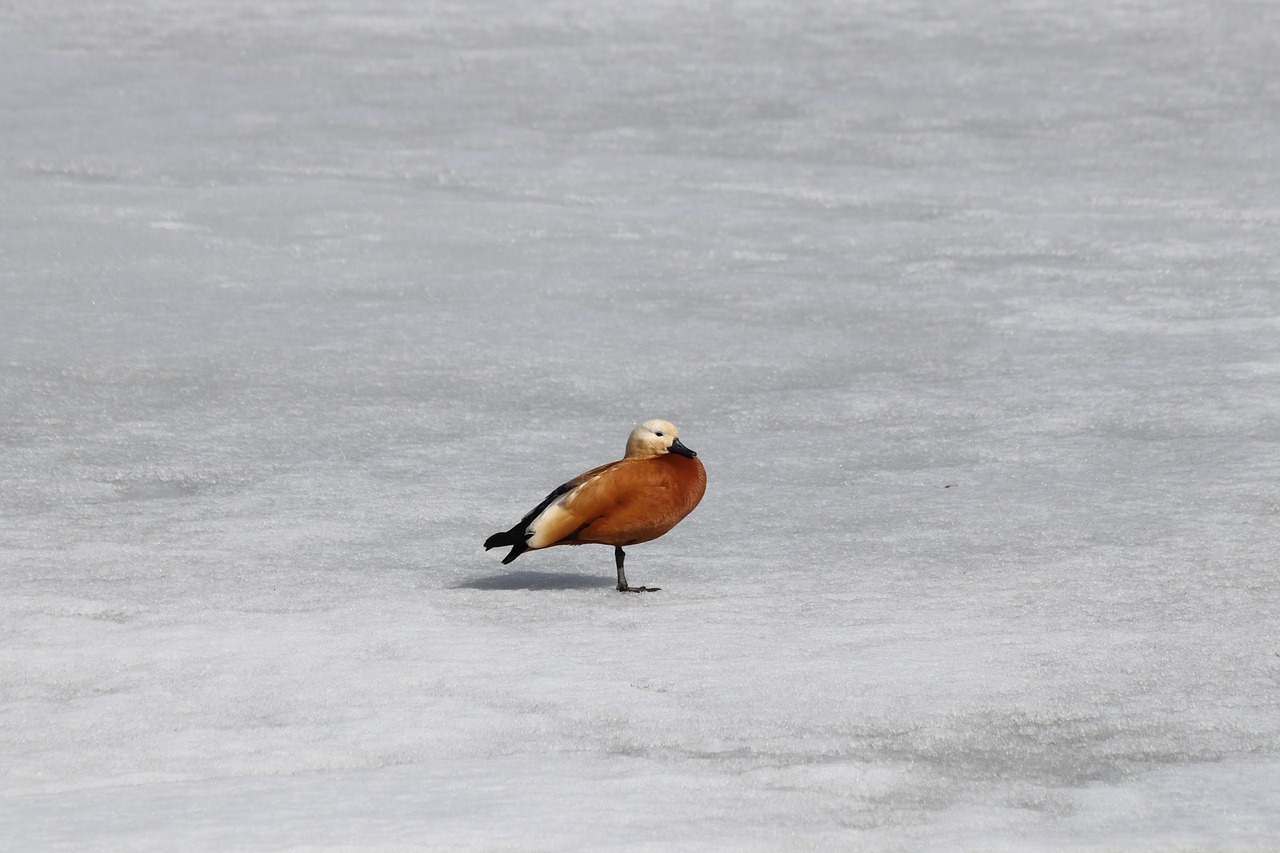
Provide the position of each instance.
(636, 500)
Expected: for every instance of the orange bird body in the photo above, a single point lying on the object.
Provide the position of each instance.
(638, 498)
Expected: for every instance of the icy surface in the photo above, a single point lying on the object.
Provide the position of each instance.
(972, 311)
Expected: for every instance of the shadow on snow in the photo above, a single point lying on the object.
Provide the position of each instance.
(538, 580)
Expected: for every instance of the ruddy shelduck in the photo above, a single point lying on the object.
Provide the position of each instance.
(638, 498)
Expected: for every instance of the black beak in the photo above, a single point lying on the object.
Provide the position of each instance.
(677, 447)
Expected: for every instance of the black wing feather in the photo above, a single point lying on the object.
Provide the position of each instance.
(516, 537)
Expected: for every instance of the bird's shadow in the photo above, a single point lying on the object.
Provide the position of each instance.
(537, 580)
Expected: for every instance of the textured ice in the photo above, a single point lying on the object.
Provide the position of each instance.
(971, 310)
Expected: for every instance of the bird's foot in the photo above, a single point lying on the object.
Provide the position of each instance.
(624, 588)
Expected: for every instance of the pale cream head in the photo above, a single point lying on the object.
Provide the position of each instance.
(652, 438)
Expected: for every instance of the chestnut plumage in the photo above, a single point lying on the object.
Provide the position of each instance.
(638, 498)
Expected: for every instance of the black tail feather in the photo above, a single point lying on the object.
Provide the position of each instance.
(515, 537)
(518, 536)
(497, 540)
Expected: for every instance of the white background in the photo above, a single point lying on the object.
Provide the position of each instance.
(971, 310)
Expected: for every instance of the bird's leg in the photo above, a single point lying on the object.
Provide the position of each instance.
(618, 557)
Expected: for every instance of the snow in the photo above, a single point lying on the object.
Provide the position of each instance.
(971, 311)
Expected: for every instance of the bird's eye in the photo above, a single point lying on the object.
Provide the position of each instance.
(658, 434)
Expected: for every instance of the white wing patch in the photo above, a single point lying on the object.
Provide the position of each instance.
(551, 518)
(555, 522)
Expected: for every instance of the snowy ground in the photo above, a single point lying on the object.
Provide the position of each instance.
(972, 311)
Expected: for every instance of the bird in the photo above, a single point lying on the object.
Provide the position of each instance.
(635, 499)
